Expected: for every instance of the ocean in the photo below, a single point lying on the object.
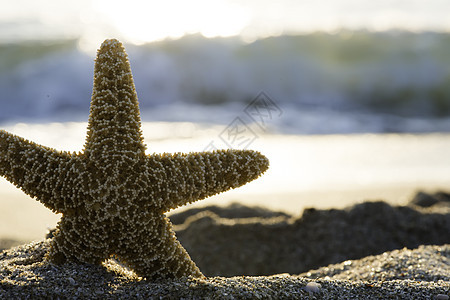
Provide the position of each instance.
(317, 83)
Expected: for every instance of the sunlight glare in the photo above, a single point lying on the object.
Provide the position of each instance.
(144, 21)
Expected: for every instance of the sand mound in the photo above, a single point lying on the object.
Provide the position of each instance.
(225, 246)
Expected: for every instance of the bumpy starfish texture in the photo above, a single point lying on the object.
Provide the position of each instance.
(112, 196)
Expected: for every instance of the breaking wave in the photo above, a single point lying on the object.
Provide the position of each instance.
(323, 83)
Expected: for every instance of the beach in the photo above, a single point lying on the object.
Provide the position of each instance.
(335, 217)
(253, 241)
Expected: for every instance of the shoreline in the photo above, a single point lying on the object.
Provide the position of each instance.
(323, 172)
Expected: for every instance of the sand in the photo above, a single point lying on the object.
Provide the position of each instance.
(224, 246)
(422, 273)
(370, 250)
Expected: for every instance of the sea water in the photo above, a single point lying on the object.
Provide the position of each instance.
(348, 82)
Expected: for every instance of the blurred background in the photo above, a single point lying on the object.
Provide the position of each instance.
(342, 66)
(349, 99)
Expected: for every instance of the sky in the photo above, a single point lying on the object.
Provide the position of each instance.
(138, 22)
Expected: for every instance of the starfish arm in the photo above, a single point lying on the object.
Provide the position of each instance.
(179, 179)
(78, 239)
(33, 168)
(156, 253)
(114, 125)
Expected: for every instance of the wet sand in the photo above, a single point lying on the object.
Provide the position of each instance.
(305, 171)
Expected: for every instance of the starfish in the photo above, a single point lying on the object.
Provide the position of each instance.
(112, 195)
